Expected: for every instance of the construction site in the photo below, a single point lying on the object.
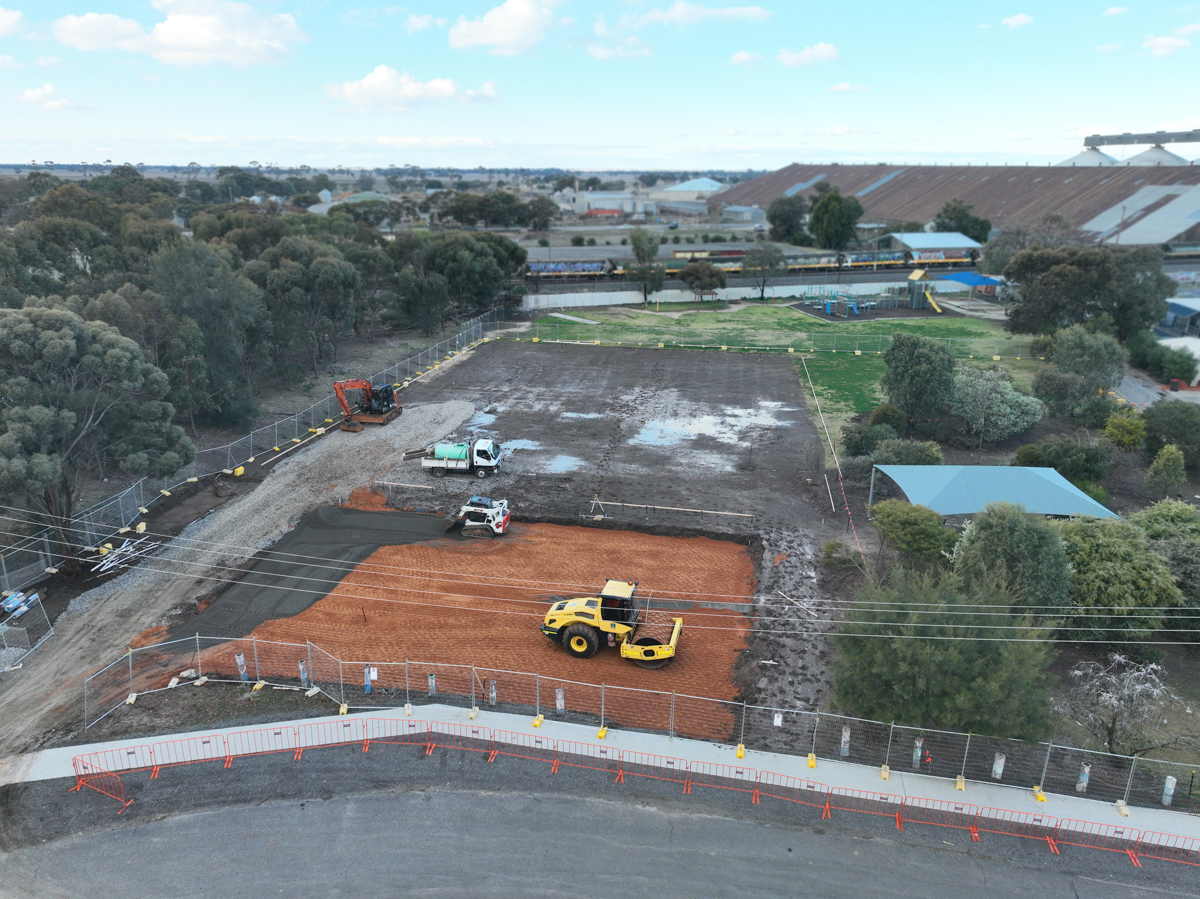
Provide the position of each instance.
(690, 474)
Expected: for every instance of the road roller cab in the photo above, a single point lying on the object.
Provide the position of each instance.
(613, 618)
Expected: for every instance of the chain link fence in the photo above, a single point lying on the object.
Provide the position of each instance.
(366, 685)
(748, 338)
(23, 631)
(24, 562)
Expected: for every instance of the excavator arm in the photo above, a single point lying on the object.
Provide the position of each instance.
(340, 388)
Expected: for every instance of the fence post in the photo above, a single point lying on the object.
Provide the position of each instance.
(742, 739)
(602, 705)
(1129, 783)
(966, 751)
(311, 671)
(4, 575)
(472, 686)
(671, 726)
(406, 699)
(887, 758)
(341, 684)
(254, 643)
(129, 657)
(199, 662)
(537, 692)
(1046, 764)
(816, 724)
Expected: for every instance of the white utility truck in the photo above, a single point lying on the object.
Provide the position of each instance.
(480, 458)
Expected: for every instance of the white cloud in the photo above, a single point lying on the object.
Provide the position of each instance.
(846, 87)
(742, 58)
(1116, 10)
(391, 91)
(44, 97)
(630, 48)
(195, 32)
(10, 21)
(1108, 48)
(48, 61)
(511, 28)
(681, 13)
(417, 23)
(1166, 45)
(821, 52)
(1017, 21)
(1188, 29)
(7, 62)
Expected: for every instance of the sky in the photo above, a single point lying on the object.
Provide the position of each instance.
(611, 86)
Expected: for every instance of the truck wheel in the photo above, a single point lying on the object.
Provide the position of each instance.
(438, 472)
(581, 641)
(482, 472)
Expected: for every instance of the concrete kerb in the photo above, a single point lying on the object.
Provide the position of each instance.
(57, 763)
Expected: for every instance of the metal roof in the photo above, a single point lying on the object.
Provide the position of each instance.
(935, 240)
(697, 184)
(965, 489)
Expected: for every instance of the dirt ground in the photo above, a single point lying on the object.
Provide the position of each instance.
(676, 429)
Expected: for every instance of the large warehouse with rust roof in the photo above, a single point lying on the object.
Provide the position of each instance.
(1126, 204)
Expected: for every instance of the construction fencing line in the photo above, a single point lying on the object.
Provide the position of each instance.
(101, 771)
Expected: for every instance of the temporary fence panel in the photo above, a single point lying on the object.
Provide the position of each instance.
(525, 746)
(259, 742)
(395, 731)
(1169, 847)
(105, 691)
(631, 709)
(933, 752)
(793, 789)
(1031, 825)
(852, 740)
(657, 767)
(722, 777)
(188, 750)
(124, 758)
(471, 737)
(1089, 834)
(330, 733)
(325, 672)
(941, 813)
(589, 755)
(865, 801)
(577, 703)
(96, 778)
(707, 719)
(152, 667)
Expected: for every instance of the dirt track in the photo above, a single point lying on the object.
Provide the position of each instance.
(42, 704)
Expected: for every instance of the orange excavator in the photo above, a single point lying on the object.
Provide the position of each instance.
(376, 405)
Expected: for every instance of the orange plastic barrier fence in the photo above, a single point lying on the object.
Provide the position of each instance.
(259, 742)
(1169, 847)
(793, 789)
(96, 778)
(722, 777)
(588, 755)
(869, 803)
(125, 758)
(658, 767)
(1018, 824)
(330, 733)
(941, 813)
(1111, 837)
(395, 731)
(471, 737)
(526, 746)
(187, 751)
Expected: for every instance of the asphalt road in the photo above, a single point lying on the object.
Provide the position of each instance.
(476, 844)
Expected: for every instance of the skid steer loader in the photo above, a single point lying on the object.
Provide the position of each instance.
(483, 517)
(613, 618)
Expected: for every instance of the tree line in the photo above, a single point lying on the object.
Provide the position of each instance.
(117, 331)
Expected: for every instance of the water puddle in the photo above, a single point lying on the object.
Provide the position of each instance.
(561, 464)
(521, 444)
(583, 415)
(727, 427)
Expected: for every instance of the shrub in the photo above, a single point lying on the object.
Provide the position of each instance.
(1075, 458)
(907, 452)
(1042, 348)
(919, 376)
(1061, 390)
(915, 532)
(1168, 518)
(1167, 472)
(857, 468)
(625, 240)
(543, 242)
(1097, 492)
(1117, 584)
(675, 238)
(1094, 411)
(892, 416)
(577, 240)
(1125, 428)
(991, 407)
(591, 241)
(1177, 422)
(836, 554)
(1021, 551)
(861, 440)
